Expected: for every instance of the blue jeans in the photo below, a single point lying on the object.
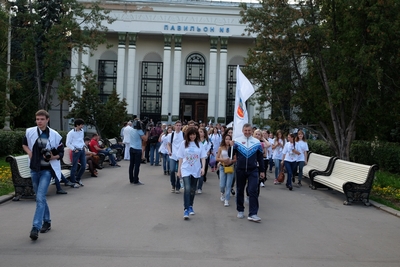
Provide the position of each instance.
(81, 157)
(225, 182)
(134, 164)
(251, 177)
(271, 162)
(40, 183)
(190, 185)
(154, 148)
(301, 166)
(204, 177)
(106, 153)
(57, 182)
(166, 162)
(174, 180)
(277, 163)
(290, 168)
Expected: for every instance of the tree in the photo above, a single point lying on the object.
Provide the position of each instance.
(48, 31)
(328, 56)
(107, 117)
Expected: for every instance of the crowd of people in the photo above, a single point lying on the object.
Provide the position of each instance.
(185, 152)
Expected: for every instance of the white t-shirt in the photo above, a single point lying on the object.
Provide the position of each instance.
(191, 156)
(176, 142)
(207, 145)
(277, 154)
(288, 152)
(164, 144)
(215, 139)
(302, 147)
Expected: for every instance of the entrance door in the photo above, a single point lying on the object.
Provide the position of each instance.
(200, 111)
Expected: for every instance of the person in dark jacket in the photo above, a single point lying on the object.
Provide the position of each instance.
(249, 168)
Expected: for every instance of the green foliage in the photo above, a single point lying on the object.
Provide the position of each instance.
(320, 147)
(330, 63)
(107, 117)
(44, 34)
(11, 142)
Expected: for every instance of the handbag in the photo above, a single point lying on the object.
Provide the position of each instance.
(228, 169)
(281, 175)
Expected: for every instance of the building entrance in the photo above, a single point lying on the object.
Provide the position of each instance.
(193, 107)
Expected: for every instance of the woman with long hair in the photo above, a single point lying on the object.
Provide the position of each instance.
(224, 159)
(164, 150)
(302, 147)
(192, 159)
(277, 146)
(265, 145)
(289, 159)
(215, 138)
(207, 146)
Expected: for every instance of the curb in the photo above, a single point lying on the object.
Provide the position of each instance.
(6, 198)
(385, 208)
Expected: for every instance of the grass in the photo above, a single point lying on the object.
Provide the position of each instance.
(6, 184)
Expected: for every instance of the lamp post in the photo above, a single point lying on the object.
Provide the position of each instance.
(13, 10)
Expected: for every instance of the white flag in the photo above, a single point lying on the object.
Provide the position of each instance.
(244, 89)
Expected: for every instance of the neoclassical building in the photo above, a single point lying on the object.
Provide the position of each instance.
(171, 59)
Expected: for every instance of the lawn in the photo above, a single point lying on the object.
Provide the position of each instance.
(6, 185)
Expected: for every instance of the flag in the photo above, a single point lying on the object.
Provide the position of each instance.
(244, 89)
(230, 124)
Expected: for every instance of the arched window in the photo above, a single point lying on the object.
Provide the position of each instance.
(195, 70)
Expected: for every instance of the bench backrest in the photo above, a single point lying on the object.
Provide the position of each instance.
(22, 163)
(113, 141)
(319, 162)
(350, 171)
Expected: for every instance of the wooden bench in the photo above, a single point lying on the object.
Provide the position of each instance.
(317, 162)
(353, 179)
(21, 176)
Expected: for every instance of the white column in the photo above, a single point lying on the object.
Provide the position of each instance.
(131, 89)
(177, 77)
(75, 68)
(222, 80)
(165, 105)
(85, 61)
(212, 81)
(121, 64)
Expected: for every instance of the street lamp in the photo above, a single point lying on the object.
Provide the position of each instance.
(13, 12)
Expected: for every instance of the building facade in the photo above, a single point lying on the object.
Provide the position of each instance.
(171, 60)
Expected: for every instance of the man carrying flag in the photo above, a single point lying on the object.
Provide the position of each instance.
(248, 151)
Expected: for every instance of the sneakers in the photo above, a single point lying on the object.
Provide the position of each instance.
(222, 198)
(46, 227)
(138, 183)
(254, 218)
(186, 214)
(68, 184)
(199, 191)
(61, 192)
(299, 183)
(240, 215)
(191, 211)
(173, 190)
(262, 184)
(226, 203)
(177, 191)
(80, 183)
(75, 185)
(34, 233)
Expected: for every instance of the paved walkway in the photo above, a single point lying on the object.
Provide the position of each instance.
(110, 222)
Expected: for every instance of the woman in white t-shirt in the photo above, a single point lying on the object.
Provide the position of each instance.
(277, 147)
(164, 150)
(207, 146)
(192, 159)
(289, 159)
(215, 138)
(302, 147)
